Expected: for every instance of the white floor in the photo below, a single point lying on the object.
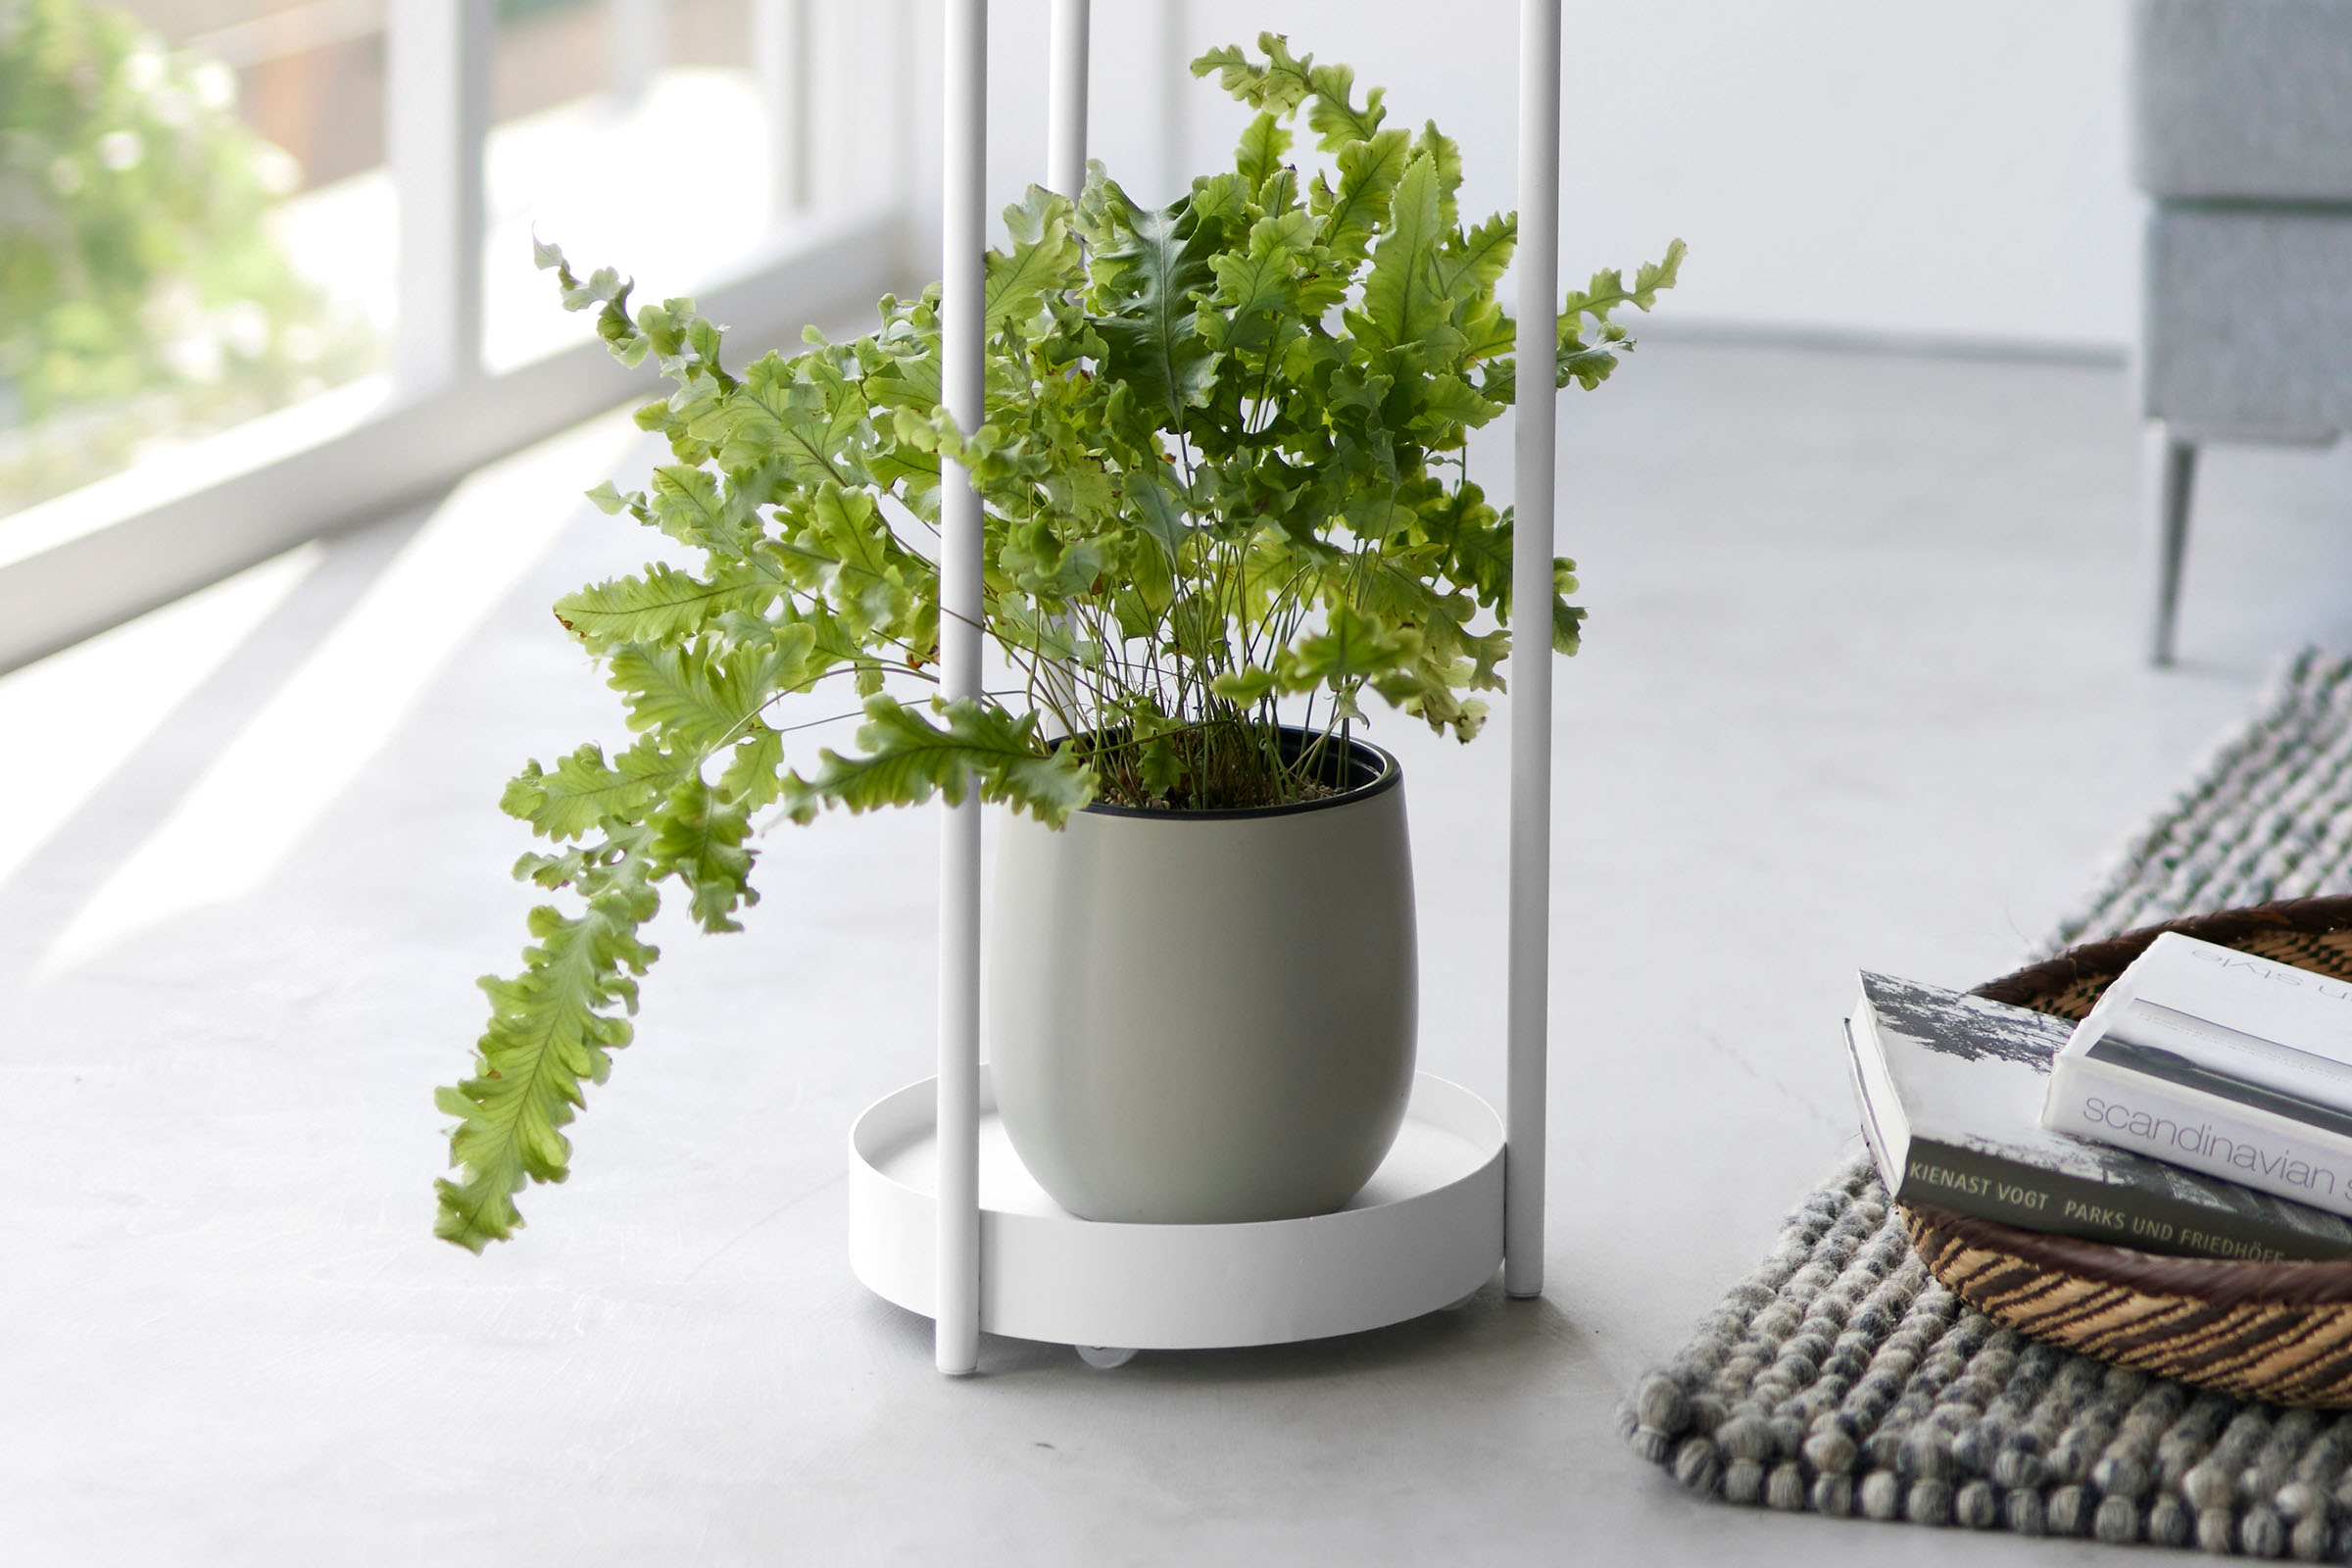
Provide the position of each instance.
(1861, 687)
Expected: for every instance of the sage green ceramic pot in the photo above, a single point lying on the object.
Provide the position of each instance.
(1206, 1017)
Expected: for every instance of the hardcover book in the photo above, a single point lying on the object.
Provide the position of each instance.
(2221, 1061)
(1953, 1089)
(2235, 1015)
(2159, 1103)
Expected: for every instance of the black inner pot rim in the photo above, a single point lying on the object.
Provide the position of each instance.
(1372, 769)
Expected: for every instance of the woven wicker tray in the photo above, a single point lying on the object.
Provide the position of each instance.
(2280, 1332)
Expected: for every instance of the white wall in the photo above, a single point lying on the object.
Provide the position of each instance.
(1947, 169)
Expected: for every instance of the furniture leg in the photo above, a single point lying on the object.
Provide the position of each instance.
(2173, 472)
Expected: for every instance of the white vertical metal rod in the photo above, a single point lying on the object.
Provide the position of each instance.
(1065, 97)
(1066, 70)
(437, 122)
(965, 165)
(781, 49)
(1538, 265)
(1175, 93)
(640, 41)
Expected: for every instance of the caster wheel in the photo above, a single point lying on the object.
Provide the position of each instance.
(1103, 1357)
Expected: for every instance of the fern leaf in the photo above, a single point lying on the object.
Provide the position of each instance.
(1264, 142)
(773, 417)
(1402, 304)
(1149, 265)
(754, 772)
(698, 838)
(1477, 263)
(1369, 172)
(583, 793)
(1044, 259)
(1652, 276)
(1332, 112)
(908, 759)
(689, 508)
(1445, 156)
(1606, 291)
(664, 606)
(1278, 86)
(1448, 404)
(1348, 649)
(1589, 363)
(551, 1026)
(871, 586)
(1567, 619)
(699, 698)
(1477, 545)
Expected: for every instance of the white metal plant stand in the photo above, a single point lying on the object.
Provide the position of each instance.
(943, 1219)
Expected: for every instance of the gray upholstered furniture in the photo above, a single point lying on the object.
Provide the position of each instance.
(2241, 114)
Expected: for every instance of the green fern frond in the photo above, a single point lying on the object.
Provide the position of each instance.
(908, 759)
(664, 606)
(698, 838)
(584, 793)
(551, 1026)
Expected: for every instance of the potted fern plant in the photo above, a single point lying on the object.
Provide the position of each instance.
(1228, 517)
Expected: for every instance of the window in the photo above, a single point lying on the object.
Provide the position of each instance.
(286, 250)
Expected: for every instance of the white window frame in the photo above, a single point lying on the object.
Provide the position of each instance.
(74, 566)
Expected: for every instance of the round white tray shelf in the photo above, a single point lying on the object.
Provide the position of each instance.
(1425, 1232)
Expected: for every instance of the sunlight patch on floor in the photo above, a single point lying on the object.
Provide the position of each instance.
(93, 706)
(247, 814)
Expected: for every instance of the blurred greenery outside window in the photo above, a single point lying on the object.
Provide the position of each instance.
(144, 298)
(196, 224)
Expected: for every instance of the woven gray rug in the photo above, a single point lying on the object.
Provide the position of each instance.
(1840, 1377)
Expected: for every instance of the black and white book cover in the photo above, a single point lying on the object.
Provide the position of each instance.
(1951, 1088)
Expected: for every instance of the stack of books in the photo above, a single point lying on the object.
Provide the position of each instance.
(1983, 1108)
